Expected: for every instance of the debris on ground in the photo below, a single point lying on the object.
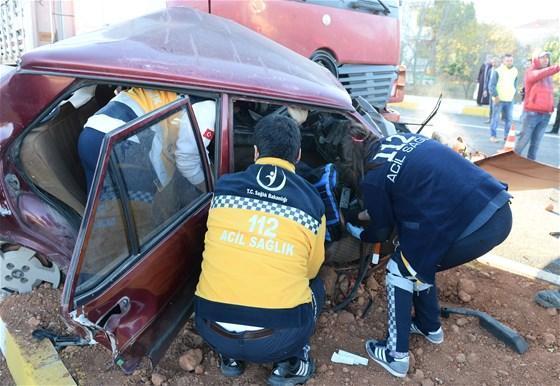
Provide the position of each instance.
(469, 354)
(548, 298)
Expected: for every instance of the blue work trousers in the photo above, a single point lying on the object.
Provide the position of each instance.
(280, 345)
(507, 108)
(406, 291)
(534, 125)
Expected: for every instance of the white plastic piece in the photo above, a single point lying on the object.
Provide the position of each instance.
(90, 327)
(348, 358)
(375, 258)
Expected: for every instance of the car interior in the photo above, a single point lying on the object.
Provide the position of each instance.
(49, 152)
(321, 145)
(318, 145)
(49, 156)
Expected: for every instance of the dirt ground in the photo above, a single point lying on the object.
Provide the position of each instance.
(469, 355)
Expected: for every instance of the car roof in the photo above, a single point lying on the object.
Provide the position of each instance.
(186, 47)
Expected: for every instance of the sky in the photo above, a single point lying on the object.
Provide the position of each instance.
(512, 13)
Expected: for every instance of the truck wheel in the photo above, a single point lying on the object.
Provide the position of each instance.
(327, 60)
(21, 270)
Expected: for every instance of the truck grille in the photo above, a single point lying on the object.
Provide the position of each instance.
(372, 82)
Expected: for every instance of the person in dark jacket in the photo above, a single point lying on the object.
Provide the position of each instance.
(446, 211)
(483, 97)
(556, 124)
(537, 105)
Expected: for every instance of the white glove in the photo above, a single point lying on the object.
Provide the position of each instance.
(354, 230)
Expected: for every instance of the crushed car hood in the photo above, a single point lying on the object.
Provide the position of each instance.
(521, 173)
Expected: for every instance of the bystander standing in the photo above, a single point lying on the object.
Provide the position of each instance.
(538, 104)
(556, 124)
(483, 97)
(503, 86)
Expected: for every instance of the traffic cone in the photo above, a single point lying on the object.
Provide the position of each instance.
(510, 141)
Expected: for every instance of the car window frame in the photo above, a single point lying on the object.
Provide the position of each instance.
(80, 81)
(71, 297)
(232, 98)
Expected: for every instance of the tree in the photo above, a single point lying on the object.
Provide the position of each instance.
(453, 25)
(460, 42)
(552, 45)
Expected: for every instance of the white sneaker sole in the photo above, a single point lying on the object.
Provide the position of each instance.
(428, 338)
(383, 364)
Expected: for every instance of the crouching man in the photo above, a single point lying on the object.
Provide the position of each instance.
(258, 296)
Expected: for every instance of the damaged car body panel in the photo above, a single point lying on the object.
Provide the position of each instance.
(519, 172)
(124, 300)
(131, 276)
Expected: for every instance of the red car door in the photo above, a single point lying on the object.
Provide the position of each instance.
(137, 259)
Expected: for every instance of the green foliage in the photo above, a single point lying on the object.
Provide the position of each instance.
(460, 43)
(552, 45)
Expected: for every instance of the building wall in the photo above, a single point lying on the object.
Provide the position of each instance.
(26, 24)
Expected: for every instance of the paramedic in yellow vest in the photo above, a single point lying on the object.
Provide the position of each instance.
(172, 146)
(503, 86)
(259, 296)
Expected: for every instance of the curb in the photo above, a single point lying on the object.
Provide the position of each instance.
(473, 111)
(407, 105)
(37, 364)
(519, 268)
(476, 111)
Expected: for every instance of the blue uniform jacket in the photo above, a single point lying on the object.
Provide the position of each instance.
(428, 192)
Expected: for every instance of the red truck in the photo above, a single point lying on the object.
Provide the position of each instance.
(358, 41)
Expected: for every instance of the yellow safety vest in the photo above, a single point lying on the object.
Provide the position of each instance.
(506, 83)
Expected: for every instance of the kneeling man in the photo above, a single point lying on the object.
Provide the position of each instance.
(259, 296)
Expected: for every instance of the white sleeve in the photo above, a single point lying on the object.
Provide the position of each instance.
(186, 153)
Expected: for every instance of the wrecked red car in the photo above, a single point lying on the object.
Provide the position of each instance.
(131, 262)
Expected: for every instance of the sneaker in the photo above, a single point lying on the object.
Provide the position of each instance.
(290, 373)
(548, 298)
(231, 367)
(435, 337)
(379, 353)
(493, 139)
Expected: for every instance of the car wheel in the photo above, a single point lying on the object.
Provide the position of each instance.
(21, 270)
(327, 60)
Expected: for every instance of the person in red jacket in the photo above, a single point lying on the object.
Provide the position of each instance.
(538, 104)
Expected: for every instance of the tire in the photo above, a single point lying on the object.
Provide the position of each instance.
(327, 60)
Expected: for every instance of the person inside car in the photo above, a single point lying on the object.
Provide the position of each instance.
(446, 212)
(172, 145)
(258, 295)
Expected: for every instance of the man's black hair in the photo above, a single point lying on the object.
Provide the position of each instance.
(278, 136)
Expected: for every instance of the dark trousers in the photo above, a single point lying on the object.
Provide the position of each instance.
(556, 124)
(404, 291)
(279, 345)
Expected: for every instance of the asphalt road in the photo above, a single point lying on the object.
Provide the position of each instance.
(476, 133)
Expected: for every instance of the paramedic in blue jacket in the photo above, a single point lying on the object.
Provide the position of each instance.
(258, 296)
(446, 212)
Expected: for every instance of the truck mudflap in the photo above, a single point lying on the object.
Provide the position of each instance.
(521, 173)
